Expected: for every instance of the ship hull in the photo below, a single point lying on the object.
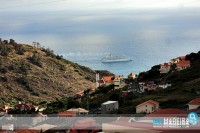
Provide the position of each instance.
(119, 60)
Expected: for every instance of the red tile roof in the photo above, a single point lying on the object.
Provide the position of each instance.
(152, 102)
(165, 65)
(172, 112)
(183, 64)
(182, 57)
(195, 102)
(67, 114)
(109, 79)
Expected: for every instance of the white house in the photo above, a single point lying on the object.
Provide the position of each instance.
(165, 68)
(164, 86)
(119, 82)
(79, 111)
(147, 107)
(194, 104)
(132, 76)
(109, 106)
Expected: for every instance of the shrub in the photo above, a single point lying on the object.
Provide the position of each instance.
(24, 81)
(62, 67)
(4, 79)
(3, 69)
(4, 51)
(19, 49)
(50, 52)
(59, 57)
(24, 67)
(36, 59)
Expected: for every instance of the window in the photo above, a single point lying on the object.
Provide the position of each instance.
(146, 105)
(152, 108)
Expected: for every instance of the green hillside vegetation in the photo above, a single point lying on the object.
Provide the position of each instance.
(35, 74)
(185, 85)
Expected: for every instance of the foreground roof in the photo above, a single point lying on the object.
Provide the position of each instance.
(195, 102)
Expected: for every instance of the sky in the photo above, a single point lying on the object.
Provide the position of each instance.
(87, 28)
(95, 4)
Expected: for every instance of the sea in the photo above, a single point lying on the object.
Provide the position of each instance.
(149, 37)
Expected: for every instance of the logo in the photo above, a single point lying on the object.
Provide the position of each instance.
(158, 122)
(193, 118)
(171, 122)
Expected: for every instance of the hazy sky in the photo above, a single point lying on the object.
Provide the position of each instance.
(95, 4)
(160, 29)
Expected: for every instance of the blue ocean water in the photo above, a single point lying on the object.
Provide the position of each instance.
(149, 37)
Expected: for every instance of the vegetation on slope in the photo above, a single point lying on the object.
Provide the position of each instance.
(35, 74)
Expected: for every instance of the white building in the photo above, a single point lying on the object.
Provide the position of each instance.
(109, 106)
(165, 68)
(164, 86)
(147, 107)
(132, 76)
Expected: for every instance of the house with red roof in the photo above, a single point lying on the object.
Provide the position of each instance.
(78, 111)
(147, 107)
(194, 104)
(182, 58)
(132, 76)
(108, 80)
(100, 83)
(175, 60)
(178, 59)
(165, 68)
(25, 107)
(182, 65)
(67, 114)
(116, 80)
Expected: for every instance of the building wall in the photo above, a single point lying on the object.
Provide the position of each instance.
(109, 107)
(181, 68)
(164, 70)
(148, 108)
(193, 106)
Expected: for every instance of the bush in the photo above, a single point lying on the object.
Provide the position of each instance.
(59, 57)
(24, 67)
(50, 52)
(62, 67)
(3, 69)
(19, 49)
(24, 81)
(4, 51)
(4, 79)
(35, 59)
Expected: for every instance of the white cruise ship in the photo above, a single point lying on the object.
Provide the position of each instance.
(111, 58)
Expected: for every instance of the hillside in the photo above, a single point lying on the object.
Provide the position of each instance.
(185, 84)
(35, 74)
